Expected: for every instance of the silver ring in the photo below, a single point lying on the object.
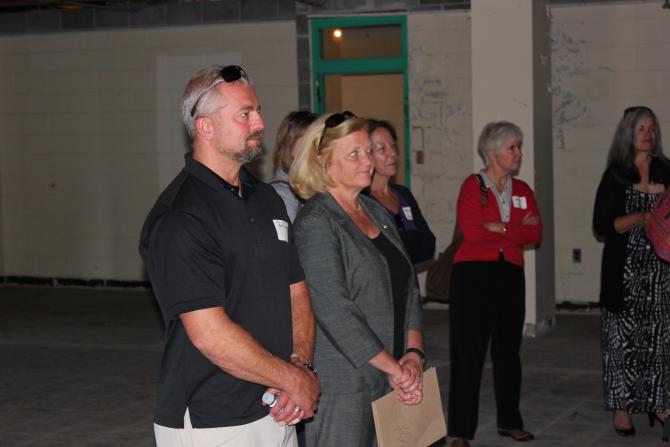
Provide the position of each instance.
(297, 409)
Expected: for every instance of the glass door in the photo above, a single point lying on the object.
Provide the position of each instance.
(360, 64)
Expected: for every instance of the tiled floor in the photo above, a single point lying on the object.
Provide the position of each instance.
(77, 368)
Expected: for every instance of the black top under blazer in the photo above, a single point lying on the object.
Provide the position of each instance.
(611, 203)
(350, 287)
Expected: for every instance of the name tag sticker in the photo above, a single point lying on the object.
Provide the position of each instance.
(519, 202)
(282, 229)
(407, 211)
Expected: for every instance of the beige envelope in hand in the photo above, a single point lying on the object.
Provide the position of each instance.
(400, 425)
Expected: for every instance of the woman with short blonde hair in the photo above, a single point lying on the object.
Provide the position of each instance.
(361, 281)
(308, 174)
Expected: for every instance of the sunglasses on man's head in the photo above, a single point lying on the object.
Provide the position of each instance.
(230, 73)
(332, 121)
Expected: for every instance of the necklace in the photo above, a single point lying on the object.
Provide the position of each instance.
(358, 209)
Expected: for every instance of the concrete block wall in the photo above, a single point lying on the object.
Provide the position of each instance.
(440, 96)
(90, 128)
(90, 132)
(605, 57)
(156, 13)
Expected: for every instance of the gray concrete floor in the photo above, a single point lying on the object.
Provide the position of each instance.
(78, 368)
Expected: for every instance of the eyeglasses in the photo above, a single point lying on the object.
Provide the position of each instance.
(634, 109)
(332, 121)
(230, 73)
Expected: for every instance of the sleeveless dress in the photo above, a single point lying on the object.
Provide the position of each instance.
(636, 341)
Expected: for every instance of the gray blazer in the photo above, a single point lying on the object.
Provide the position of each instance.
(351, 293)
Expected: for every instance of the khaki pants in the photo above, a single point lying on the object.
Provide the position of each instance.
(261, 433)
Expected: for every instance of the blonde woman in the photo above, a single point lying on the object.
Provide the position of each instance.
(362, 283)
(289, 140)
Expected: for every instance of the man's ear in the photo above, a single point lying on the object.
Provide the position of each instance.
(204, 127)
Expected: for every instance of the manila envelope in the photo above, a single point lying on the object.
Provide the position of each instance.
(400, 425)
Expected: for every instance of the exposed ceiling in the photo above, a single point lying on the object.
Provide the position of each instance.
(122, 5)
(135, 5)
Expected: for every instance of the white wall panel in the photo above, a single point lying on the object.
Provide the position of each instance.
(605, 57)
(90, 128)
(90, 132)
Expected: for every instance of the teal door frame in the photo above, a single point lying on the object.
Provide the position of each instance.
(374, 65)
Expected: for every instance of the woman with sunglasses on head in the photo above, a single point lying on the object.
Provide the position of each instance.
(398, 200)
(361, 281)
(634, 282)
(289, 140)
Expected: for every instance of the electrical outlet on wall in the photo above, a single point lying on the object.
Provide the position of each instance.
(577, 255)
(419, 157)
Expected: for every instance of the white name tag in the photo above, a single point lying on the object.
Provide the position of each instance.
(407, 211)
(282, 229)
(519, 202)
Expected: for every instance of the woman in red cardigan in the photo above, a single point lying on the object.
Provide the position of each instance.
(498, 216)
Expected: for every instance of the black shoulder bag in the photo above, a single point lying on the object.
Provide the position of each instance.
(438, 277)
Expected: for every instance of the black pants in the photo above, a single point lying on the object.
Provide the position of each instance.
(487, 302)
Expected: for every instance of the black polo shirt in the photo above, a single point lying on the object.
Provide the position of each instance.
(205, 246)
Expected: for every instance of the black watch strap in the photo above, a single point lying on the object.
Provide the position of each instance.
(417, 351)
(311, 368)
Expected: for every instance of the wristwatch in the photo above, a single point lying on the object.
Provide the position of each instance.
(417, 351)
(311, 368)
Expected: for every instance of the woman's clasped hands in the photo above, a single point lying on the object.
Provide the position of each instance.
(409, 384)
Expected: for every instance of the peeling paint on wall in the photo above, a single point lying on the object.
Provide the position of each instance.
(567, 63)
(440, 114)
